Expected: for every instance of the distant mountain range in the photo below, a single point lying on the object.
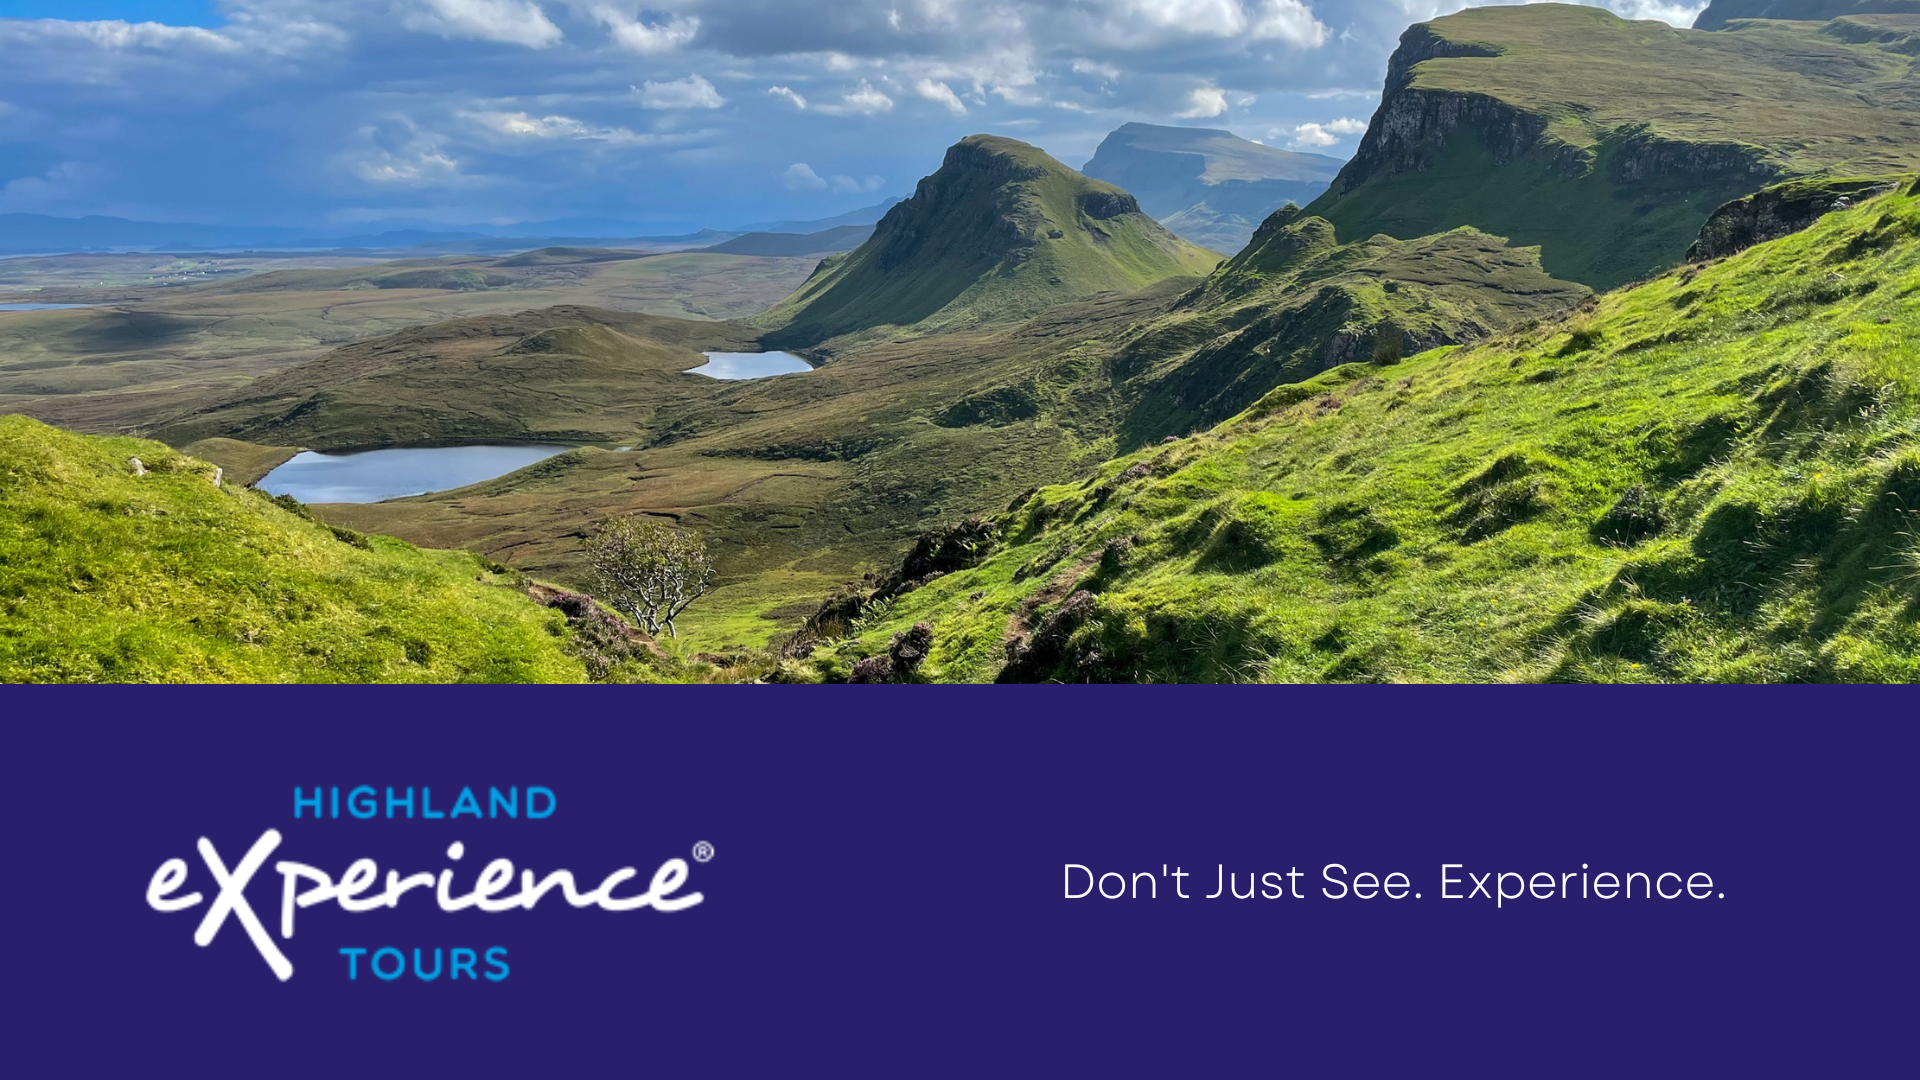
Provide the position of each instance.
(1210, 186)
(866, 215)
(775, 242)
(23, 234)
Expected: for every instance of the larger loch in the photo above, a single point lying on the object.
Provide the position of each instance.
(374, 475)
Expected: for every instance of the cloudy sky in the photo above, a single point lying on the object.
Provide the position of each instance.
(672, 113)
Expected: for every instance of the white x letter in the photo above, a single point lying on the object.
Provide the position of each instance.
(233, 899)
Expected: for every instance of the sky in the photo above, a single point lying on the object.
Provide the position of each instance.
(672, 114)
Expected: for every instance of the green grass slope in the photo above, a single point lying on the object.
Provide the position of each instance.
(999, 233)
(1721, 12)
(1608, 142)
(1295, 302)
(1712, 476)
(106, 576)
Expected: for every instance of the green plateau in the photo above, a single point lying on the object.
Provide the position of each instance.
(1607, 143)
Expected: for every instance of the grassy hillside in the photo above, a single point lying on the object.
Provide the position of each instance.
(1295, 302)
(1720, 12)
(1607, 142)
(106, 576)
(999, 233)
(1711, 476)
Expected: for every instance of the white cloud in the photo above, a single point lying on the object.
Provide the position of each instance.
(521, 125)
(1090, 67)
(416, 160)
(1203, 102)
(942, 93)
(634, 35)
(1144, 24)
(1290, 21)
(1672, 14)
(863, 99)
(791, 95)
(512, 22)
(1305, 135)
(847, 185)
(801, 177)
(692, 92)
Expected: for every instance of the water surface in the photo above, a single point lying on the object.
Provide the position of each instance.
(41, 307)
(373, 475)
(750, 365)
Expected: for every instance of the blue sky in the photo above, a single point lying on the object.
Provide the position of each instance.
(668, 113)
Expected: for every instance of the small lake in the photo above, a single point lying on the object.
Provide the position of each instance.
(373, 475)
(749, 365)
(41, 307)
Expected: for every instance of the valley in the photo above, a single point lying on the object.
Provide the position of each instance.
(1523, 391)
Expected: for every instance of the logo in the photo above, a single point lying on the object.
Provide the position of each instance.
(359, 888)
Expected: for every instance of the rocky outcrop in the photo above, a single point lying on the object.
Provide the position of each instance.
(1641, 158)
(1777, 212)
(1412, 125)
(1102, 205)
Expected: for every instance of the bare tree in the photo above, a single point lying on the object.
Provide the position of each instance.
(649, 570)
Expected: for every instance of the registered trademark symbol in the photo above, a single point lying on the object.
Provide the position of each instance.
(702, 851)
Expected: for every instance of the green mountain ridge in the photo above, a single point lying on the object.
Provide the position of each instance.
(1714, 475)
(1607, 142)
(1296, 302)
(998, 233)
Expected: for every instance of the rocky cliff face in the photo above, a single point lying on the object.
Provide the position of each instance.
(1777, 212)
(1413, 124)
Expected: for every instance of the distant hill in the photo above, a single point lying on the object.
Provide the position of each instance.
(1001, 231)
(1608, 142)
(1210, 186)
(1720, 12)
(1295, 302)
(866, 215)
(841, 238)
(562, 374)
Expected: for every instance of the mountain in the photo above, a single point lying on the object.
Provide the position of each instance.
(1001, 231)
(1210, 186)
(1607, 142)
(1709, 476)
(39, 234)
(866, 215)
(838, 238)
(1721, 12)
(109, 576)
(1295, 302)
